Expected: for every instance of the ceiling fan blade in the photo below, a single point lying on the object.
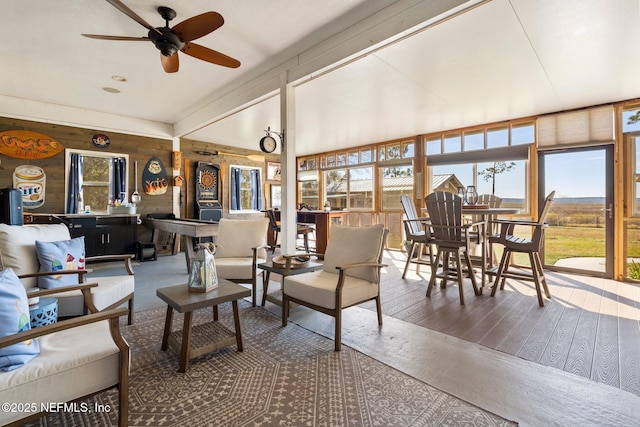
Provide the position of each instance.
(170, 63)
(131, 14)
(198, 26)
(101, 37)
(209, 55)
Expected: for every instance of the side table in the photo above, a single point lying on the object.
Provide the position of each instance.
(269, 267)
(194, 341)
(44, 312)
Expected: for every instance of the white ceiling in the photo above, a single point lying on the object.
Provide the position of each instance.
(364, 71)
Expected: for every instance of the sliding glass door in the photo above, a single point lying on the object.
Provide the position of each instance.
(580, 233)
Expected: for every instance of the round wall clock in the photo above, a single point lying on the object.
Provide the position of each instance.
(268, 144)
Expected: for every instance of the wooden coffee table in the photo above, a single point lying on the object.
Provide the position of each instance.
(194, 341)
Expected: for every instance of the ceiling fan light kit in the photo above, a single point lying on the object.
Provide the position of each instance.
(178, 38)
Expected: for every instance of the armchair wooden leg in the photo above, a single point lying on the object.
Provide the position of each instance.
(285, 310)
(434, 271)
(536, 279)
(460, 277)
(338, 334)
(501, 270)
(379, 309)
(130, 315)
(409, 257)
(474, 282)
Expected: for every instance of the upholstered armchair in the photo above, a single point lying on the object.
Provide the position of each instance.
(59, 362)
(351, 275)
(240, 246)
(18, 250)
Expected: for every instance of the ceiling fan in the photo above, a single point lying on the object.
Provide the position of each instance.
(178, 38)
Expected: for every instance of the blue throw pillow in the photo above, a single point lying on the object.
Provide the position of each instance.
(61, 255)
(14, 318)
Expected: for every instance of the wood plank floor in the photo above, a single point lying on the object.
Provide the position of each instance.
(590, 327)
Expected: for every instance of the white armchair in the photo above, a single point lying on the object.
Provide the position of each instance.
(18, 251)
(240, 246)
(351, 275)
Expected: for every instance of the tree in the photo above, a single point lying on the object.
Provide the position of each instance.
(489, 174)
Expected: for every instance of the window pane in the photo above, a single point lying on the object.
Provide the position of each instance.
(510, 182)
(497, 137)
(396, 181)
(631, 120)
(342, 159)
(96, 169)
(433, 146)
(309, 193)
(381, 155)
(393, 152)
(636, 177)
(361, 188)
(365, 156)
(452, 144)
(473, 141)
(450, 177)
(353, 158)
(95, 197)
(336, 188)
(523, 134)
(407, 150)
(331, 160)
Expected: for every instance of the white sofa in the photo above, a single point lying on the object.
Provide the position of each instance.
(18, 251)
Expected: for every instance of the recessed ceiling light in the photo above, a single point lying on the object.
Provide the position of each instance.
(110, 89)
(119, 78)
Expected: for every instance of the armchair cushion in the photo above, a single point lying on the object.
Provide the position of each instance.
(236, 238)
(319, 288)
(18, 251)
(352, 245)
(236, 268)
(14, 318)
(60, 255)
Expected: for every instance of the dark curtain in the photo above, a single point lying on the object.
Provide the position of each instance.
(75, 183)
(118, 179)
(256, 190)
(236, 183)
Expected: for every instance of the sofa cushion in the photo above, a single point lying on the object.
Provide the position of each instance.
(14, 318)
(18, 249)
(236, 237)
(351, 245)
(60, 255)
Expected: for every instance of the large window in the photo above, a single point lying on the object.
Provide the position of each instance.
(396, 181)
(94, 179)
(349, 188)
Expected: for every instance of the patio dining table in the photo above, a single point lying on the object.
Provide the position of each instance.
(487, 214)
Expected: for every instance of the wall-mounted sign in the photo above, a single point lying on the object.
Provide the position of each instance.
(154, 177)
(25, 144)
(31, 181)
(100, 140)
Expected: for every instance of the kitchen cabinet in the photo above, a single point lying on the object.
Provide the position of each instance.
(106, 234)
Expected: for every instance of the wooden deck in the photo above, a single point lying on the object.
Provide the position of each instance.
(590, 327)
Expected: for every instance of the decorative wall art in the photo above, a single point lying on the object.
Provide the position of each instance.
(154, 177)
(25, 144)
(101, 140)
(274, 172)
(31, 181)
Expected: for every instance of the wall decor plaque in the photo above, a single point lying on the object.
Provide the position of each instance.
(25, 144)
(100, 140)
(154, 177)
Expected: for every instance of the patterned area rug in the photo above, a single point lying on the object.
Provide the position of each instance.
(284, 377)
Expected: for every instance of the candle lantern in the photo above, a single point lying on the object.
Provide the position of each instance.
(203, 276)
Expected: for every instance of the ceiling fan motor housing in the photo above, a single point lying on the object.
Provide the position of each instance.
(167, 42)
